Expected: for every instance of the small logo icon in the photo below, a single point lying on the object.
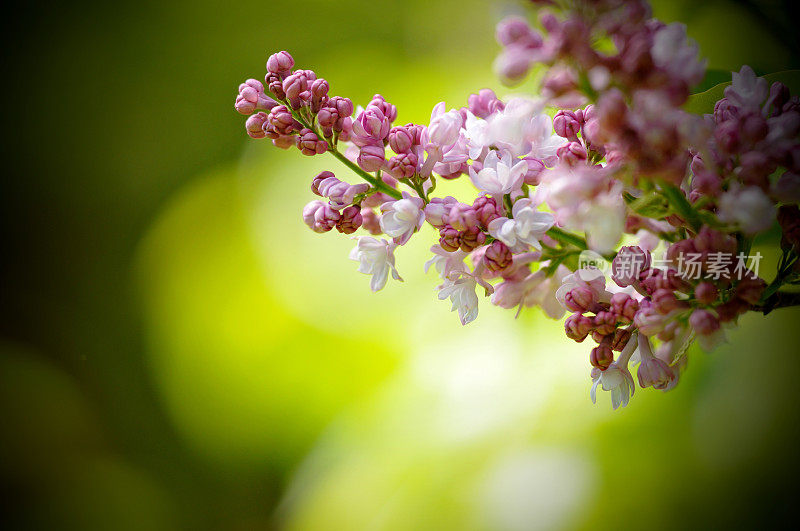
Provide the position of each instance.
(592, 265)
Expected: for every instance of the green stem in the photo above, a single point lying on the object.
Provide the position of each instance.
(567, 238)
(377, 183)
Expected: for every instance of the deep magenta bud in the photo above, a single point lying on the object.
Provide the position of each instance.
(449, 239)
(704, 322)
(310, 144)
(255, 125)
(350, 220)
(578, 326)
(280, 63)
(567, 125)
(601, 356)
(497, 256)
(706, 293)
(371, 158)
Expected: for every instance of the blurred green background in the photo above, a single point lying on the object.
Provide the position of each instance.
(180, 352)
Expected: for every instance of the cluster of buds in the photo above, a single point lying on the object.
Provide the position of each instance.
(620, 158)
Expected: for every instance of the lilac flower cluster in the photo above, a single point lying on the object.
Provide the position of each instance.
(606, 155)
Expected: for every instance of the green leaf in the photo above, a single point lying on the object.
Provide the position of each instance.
(652, 205)
(712, 78)
(681, 205)
(703, 102)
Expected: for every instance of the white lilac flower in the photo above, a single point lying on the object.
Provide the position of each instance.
(475, 134)
(523, 129)
(747, 90)
(617, 378)
(603, 220)
(749, 208)
(677, 54)
(524, 229)
(402, 218)
(499, 176)
(376, 258)
(460, 288)
(445, 127)
(446, 262)
(535, 289)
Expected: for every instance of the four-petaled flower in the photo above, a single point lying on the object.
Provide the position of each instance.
(526, 227)
(376, 258)
(499, 176)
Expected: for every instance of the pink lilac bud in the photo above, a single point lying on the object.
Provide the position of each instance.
(725, 110)
(401, 139)
(628, 265)
(650, 280)
(437, 210)
(561, 84)
(664, 301)
(704, 322)
(371, 157)
(516, 30)
(750, 289)
(333, 114)
(445, 127)
(487, 209)
(731, 310)
(755, 167)
(779, 95)
(580, 299)
(275, 84)
(310, 144)
(706, 293)
(320, 217)
(319, 94)
(728, 137)
(789, 221)
(711, 241)
(567, 125)
(350, 221)
(402, 166)
(280, 63)
(282, 122)
(370, 127)
(283, 142)
(471, 239)
(449, 239)
(578, 326)
(388, 110)
(255, 125)
(601, 356)
(753, 127)
(251, 98)
(624, 306)
(340, 193)
(497, 256)
(572, 153)
(295, 84)
(534, 174)
(513, 64)
(371, 221)
(682, 248)
(484, 103)
(620, 339)
(315, 183)
(605, 322)
(462, 216)
(648, 320)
